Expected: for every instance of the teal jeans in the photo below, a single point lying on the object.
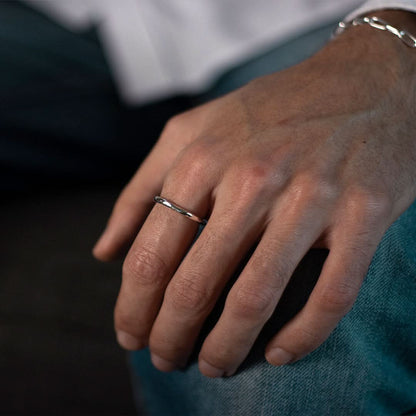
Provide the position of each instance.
(366, 367)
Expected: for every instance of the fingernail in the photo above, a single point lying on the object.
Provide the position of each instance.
(278, 356)
(162, 364)
(127, 341)
(209, 370)
(231, 371)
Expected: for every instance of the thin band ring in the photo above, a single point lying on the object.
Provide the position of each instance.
(179, 209)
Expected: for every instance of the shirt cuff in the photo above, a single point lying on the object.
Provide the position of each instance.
(372, 5)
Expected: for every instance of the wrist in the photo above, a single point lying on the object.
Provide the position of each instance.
(373, 63)
(389, 32)
(379, 46)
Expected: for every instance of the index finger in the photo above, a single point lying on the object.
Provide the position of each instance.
(136, 200)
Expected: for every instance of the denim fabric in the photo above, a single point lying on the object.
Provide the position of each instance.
(366, 367)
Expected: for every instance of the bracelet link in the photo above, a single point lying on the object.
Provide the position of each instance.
(379, 24)
(408, 39)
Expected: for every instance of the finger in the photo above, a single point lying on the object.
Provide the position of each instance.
(254, 296)
(160, 246)
(197, 284)
(136, 200)
(151, 262)
(131, 208)
(129, 212)
(332, 297)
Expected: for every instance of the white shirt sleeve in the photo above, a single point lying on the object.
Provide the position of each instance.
(372, 5)
(158, 48)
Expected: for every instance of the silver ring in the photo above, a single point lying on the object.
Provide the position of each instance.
(178, 209)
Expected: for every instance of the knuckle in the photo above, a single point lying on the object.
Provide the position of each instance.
(255, 178)
(365, 205)
(126, 322)
(280, 268)
(307, 340)
(159, 345)
(308, 337)
(378, 206)
(174, 126)
(338, 298)
(197, 161)
(128, 203)
(250, 302)
(313, 187)
(221, 356)
(192, 167)
(187, 294)
(145, 267)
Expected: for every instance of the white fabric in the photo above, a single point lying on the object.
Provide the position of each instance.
(161, 47)
(372, 5)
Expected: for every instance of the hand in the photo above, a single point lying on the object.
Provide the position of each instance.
(322, 154)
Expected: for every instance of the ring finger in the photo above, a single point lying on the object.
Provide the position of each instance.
(151, 262)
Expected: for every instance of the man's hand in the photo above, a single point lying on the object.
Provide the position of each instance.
(322, 154)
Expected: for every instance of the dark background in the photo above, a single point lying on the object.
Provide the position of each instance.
(58, 354)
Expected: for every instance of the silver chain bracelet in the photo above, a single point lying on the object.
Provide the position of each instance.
(408, 39)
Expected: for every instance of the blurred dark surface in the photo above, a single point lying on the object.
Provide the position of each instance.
(58, 354)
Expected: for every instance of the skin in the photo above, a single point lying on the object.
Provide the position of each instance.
(320, 155)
